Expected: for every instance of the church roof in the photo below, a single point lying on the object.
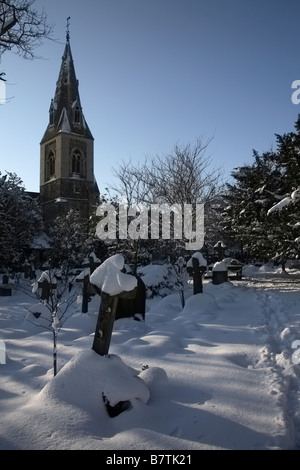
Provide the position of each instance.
(65, 113)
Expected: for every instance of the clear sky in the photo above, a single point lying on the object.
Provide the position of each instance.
(153, 73)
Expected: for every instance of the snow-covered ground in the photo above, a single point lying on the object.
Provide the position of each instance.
(217, 374)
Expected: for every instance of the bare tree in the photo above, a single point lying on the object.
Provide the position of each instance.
(22, 27)
(56, 297)
(184, 176)
(130, 186)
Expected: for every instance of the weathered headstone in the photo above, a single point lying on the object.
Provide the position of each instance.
(87, 289)
(197, 277)
(45, 289)
(220, 250)
(219, 273)
(47, 286)
(133, 302)
(5, 288)
(27, 269)
(196, 268)
(105, 323)
(109, 283)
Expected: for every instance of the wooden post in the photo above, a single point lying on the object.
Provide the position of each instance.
(105, 323)
(197, 277)
(85, 296)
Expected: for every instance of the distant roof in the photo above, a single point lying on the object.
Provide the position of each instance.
(33, 194)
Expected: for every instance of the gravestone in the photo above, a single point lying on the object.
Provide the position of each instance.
(47, 289)
(220, 250)
(5, 288)
(219, 273)
(105, 323)
(110, 283)
(87, 288)
(196, 267)
(197, 277)
(133, 302)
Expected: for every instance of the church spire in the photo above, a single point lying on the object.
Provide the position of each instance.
(68, 29)
(67, 180)
(65, 113)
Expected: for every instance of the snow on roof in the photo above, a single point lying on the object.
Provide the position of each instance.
(64, 121)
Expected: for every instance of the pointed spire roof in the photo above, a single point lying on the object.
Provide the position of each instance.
(65, 113)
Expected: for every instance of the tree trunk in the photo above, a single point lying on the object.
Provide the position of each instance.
(54, 353)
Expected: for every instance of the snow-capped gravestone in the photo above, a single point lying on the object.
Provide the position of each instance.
(110, 282)
(196, 267)
(219, 273)
(84, 278)
(5, 287)
(47, 283)
(219, 248)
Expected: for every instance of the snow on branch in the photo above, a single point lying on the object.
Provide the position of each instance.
(294, 197)
(280, 205)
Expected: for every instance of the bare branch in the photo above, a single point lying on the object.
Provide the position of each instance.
(22, 28)
(184, 176)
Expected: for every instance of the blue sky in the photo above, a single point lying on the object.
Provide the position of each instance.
(153, 73)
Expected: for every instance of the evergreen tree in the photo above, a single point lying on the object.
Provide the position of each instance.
(263, 212)
(72, 241)
(248, 200)
(20, 221)
(284, 210)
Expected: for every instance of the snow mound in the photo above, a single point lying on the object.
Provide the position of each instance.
(153, 275)
(88, 376)
(157, 381)
(200, 303)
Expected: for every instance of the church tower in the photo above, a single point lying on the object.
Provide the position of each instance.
(67, 151)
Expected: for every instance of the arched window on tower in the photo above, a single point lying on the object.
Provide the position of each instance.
(77, 164)
(50, 165)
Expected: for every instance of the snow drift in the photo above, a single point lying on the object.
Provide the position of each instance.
(216, 374)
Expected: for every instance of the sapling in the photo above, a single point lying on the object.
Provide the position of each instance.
(56, 295)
